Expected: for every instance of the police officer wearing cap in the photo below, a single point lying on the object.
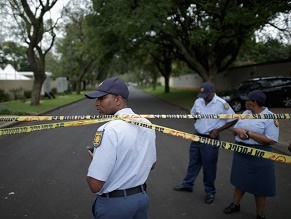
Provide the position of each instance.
(201, 154)
(254, 174)
(123, 156)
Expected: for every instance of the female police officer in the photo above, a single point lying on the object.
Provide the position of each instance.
(253, 174)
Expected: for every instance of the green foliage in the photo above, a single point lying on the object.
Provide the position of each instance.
(4, 111)
(27, 94)
(206, 35)
(79, 57)
(260, 52)
(4, 96)
(19, 107)
(54, 90)
(17, 93)
(14, 54)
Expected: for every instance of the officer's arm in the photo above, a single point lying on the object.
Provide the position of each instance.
(226, 125)
(153, 166)
(94, 184)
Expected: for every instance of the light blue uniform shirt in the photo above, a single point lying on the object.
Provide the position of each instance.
(266, 127)
(216, 106)
(125, 155)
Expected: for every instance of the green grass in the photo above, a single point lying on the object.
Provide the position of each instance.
(180, 97)
(21, 107)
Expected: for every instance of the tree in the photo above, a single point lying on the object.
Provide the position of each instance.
(37, 34)
(260, 52)
(78, 57)
(207, 35)
(14, 54)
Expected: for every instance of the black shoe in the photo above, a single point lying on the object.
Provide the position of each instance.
(209, 199)
(260, 217)
(231, 208)
(181, 188)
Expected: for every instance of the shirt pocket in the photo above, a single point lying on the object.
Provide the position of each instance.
(258, 127)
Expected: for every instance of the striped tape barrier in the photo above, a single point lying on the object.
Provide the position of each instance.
(221, 144)
(150, 116)
(33, 128)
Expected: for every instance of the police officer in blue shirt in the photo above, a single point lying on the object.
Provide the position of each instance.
(253, 174)
(123, 156)
(206, 155)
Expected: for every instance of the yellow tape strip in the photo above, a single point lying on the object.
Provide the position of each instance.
(177, 133)
(217, 143)
(174, 116)
(33, 128)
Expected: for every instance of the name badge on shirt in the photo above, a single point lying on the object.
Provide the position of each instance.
(97, 138)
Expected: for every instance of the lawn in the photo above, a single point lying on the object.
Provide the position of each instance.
(21, 107)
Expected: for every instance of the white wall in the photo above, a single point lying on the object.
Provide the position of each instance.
(232, 77)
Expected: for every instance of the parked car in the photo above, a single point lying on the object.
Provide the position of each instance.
(277, 90)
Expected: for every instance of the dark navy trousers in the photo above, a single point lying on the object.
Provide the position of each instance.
(205, 156)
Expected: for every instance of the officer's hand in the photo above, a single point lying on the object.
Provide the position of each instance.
(196, 116)
(213, 133)
(90, 154)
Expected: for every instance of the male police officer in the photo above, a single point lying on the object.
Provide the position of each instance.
(123, 156)
(206, 155)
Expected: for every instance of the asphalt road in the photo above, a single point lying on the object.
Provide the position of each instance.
(43, 174)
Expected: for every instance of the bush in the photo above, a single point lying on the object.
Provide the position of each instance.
(4, 96)
(27, 94)
(17, 93)
(4, 111)
(54, 90)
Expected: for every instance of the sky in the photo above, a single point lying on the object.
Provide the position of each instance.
(55, 11)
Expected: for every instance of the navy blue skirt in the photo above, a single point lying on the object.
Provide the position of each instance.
(252, 174)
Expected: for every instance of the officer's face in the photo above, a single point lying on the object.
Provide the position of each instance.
(209, 97)
(108, 104)
(250, 104)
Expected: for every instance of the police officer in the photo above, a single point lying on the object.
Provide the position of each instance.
(252, 174)
(206, 155)
(123, 156)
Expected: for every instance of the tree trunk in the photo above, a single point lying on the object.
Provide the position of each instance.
(167, 83)
(36, 92)
(78, 87)
(37, 64)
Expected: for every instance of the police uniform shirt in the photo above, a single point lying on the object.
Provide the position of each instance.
(267, 127)
(125, 154)
(216, 106)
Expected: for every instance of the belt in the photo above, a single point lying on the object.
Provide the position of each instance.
(202, 135)
(244, 144)
(125, 192)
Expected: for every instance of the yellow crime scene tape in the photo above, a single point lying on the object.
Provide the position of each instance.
(173, 116)
(88, 119)
(33, 128)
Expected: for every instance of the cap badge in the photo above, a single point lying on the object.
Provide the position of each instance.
(97, 138)
(201, 89)
(100, 84)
